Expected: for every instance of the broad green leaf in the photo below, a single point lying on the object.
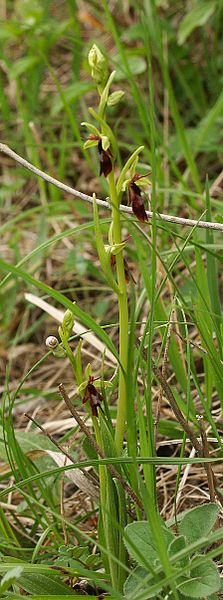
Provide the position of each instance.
(134, 583)
(204, 580)
(196, 17)
(198, 522)
(178, 544)
(140, 542)
(206, 137)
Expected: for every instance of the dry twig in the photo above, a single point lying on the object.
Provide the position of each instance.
(127, 209)
(97, 449)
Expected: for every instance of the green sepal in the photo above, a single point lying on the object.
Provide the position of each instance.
(90, 144)
(88, 371)
(91, 128)
(115, 248)
(122, 180)
(106, 130)
(144, 182)
(82, 387)
(103, 255)
(97, 384)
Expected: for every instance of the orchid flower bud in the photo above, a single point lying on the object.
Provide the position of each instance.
(68, 323)
(98, 65)
(115, 97)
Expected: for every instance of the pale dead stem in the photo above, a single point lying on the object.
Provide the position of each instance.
(126, 209)
(89, 486)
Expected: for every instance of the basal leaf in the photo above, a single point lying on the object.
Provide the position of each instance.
(198, 522)
(204, 580)
(134, 583)
(140, 542)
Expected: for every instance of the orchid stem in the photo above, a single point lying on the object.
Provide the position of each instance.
(123, 317)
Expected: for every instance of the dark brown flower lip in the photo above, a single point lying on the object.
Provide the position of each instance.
(94, 397)
(105, 160)
(136, 201)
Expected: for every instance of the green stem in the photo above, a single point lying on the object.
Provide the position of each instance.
(69, 354)
(123, 316)
(103, 499)
(102, 475)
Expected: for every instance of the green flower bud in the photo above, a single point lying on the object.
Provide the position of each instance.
(98, 65)
(68, 323)
(115, 97)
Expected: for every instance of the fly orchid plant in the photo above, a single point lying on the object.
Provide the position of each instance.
(111, 254)
(113, 508)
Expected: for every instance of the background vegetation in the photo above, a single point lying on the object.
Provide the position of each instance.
(168, 61)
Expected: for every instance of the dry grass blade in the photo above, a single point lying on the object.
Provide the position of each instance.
(77, 328)
(81, 479)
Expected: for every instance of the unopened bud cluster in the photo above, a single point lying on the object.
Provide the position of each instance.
(98, 65)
